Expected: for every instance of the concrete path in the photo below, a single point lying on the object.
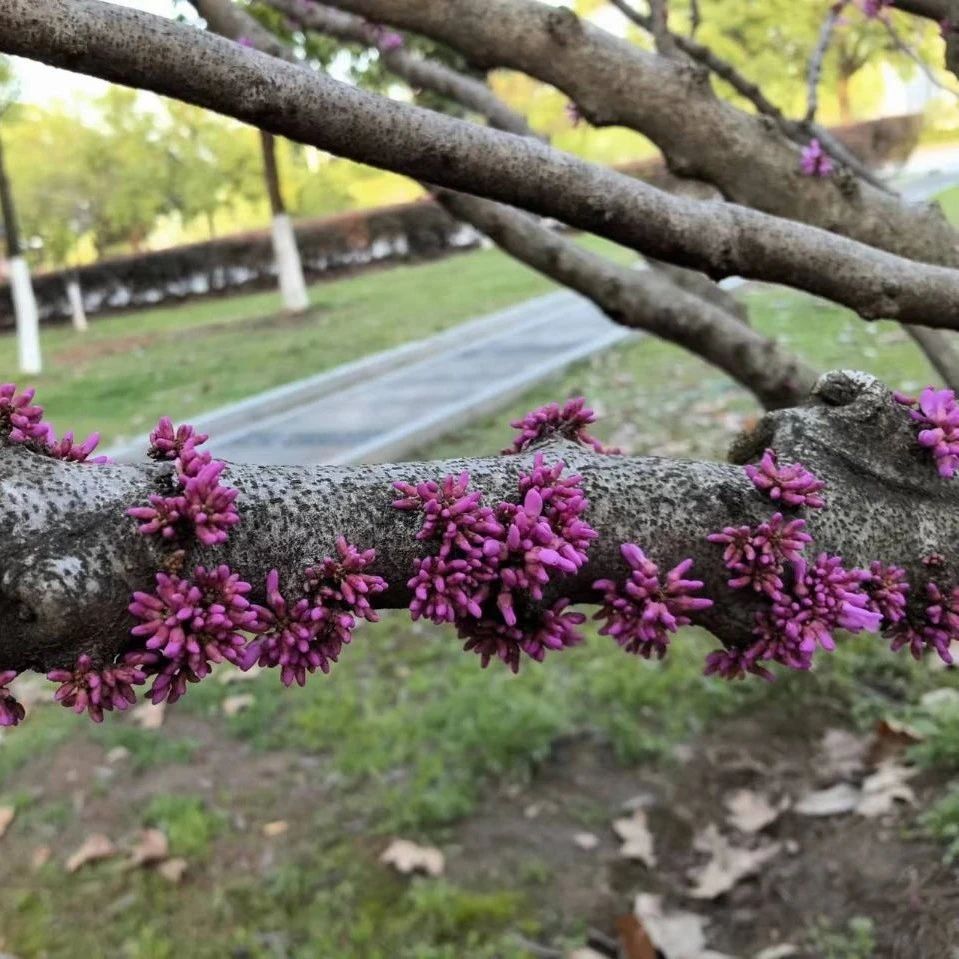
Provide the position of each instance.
(383, 406)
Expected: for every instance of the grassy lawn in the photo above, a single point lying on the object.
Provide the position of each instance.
(130, 369)
(407, 736)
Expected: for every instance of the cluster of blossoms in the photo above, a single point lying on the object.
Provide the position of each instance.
(11, 712)
(569, 421)
(874, 8)
(815, 161)
(937, 631)
(21, 422)
(383, 38)
(95, 691)
(310, 633)
(491, 563)
(804, 601)
(937, 412)
(203, 506)
(642, 611)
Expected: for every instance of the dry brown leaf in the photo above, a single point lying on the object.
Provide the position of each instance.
(151, 847)
(118, 754)
(636, 837)
(6, 817)
(172, 870)
(891, 738)
(41, 856)
(634, 941)
(407, 857)
(276, 828)
(148, 715)
(834, 801)
(884, 788)
(728, 864)
(586, 840)
(234, 705)
(751, 812)
(783, 951)
(95, 847)
(842, 754)
(677, 935)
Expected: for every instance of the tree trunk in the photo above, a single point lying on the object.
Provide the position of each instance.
(77, 313)
(288, 264)
(24, 302)
(845, 103)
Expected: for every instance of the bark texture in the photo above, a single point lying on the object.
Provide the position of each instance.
(71, 557)
(721, 239)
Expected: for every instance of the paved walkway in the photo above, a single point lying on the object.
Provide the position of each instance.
(383, 406)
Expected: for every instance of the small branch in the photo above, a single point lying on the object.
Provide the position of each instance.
(695, 18)
(904, 47)
(814, 70)
(659, 25)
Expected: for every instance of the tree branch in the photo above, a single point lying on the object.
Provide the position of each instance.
(720, 239)
(814, 70)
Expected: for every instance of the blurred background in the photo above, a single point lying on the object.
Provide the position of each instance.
(252, 821)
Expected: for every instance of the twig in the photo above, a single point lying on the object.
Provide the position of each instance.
(909, 52)
(659, 25)
(818, 55)
(695, 18)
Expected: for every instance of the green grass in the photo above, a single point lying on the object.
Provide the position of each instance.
(949, 201)
(187, 822)
(855, 940)
(130, 369)
(941, 822)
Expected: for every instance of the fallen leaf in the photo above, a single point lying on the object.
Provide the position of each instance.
(891, 738)
(585, 840)
(636, 837)
(834, 801)
(677, 935)
(884, 788)
(751, 812)
(728, 864)
(172, 870)
(406, 857)
(782, 951)
(585, 953)
(275, 828)
(95, 847)
(41, 856)
(118, 754)
(148, 715)
(842, 754)
(233, 705)
(633, 939)
(151, 847)
(6, 817)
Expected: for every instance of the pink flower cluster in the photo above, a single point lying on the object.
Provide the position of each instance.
(873, 8)
(97, 690)
(490, 563)
(815, 161)
(309, 633)
(11, 712)
(21, 421)
(642, 611)
(383, 38)
(937, 412)
(187, 625)
(939, 629)
(203, 506)
(791, 485)
(569, 421)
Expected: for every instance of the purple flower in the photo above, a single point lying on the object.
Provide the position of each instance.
(384, 39)
(736, 663)
(887, 588)
(873, 8)
(569, 421)
(642, 611)
(164, 515)
(757, 556)
(189, 624)
(168, 443)
(245, 42)
(289, 639)
(97, 690)
(20, 420)
(67, 449)
(11, 712)
(938, 413)
(942, 620)
(792, 485)
(573, 113)
(814, 160)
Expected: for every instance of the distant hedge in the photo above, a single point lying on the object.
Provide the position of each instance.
(359, 239)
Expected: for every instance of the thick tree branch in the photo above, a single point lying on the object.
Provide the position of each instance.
(71, 558)
(645, 300)
(671, 102)
(721, 239)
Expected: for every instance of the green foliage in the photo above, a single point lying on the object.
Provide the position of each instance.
(941, 822)
(188, 823)
(855, 940)
(147, 749)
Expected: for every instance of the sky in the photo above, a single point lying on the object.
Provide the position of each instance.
(41, 84)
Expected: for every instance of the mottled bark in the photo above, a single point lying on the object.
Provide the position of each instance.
(71, 557)
(721, 239)
(645, 300)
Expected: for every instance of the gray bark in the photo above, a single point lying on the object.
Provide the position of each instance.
(721, 239)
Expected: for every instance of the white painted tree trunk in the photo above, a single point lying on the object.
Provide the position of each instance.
(28, 319)
(292, 284)
(77, 312)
